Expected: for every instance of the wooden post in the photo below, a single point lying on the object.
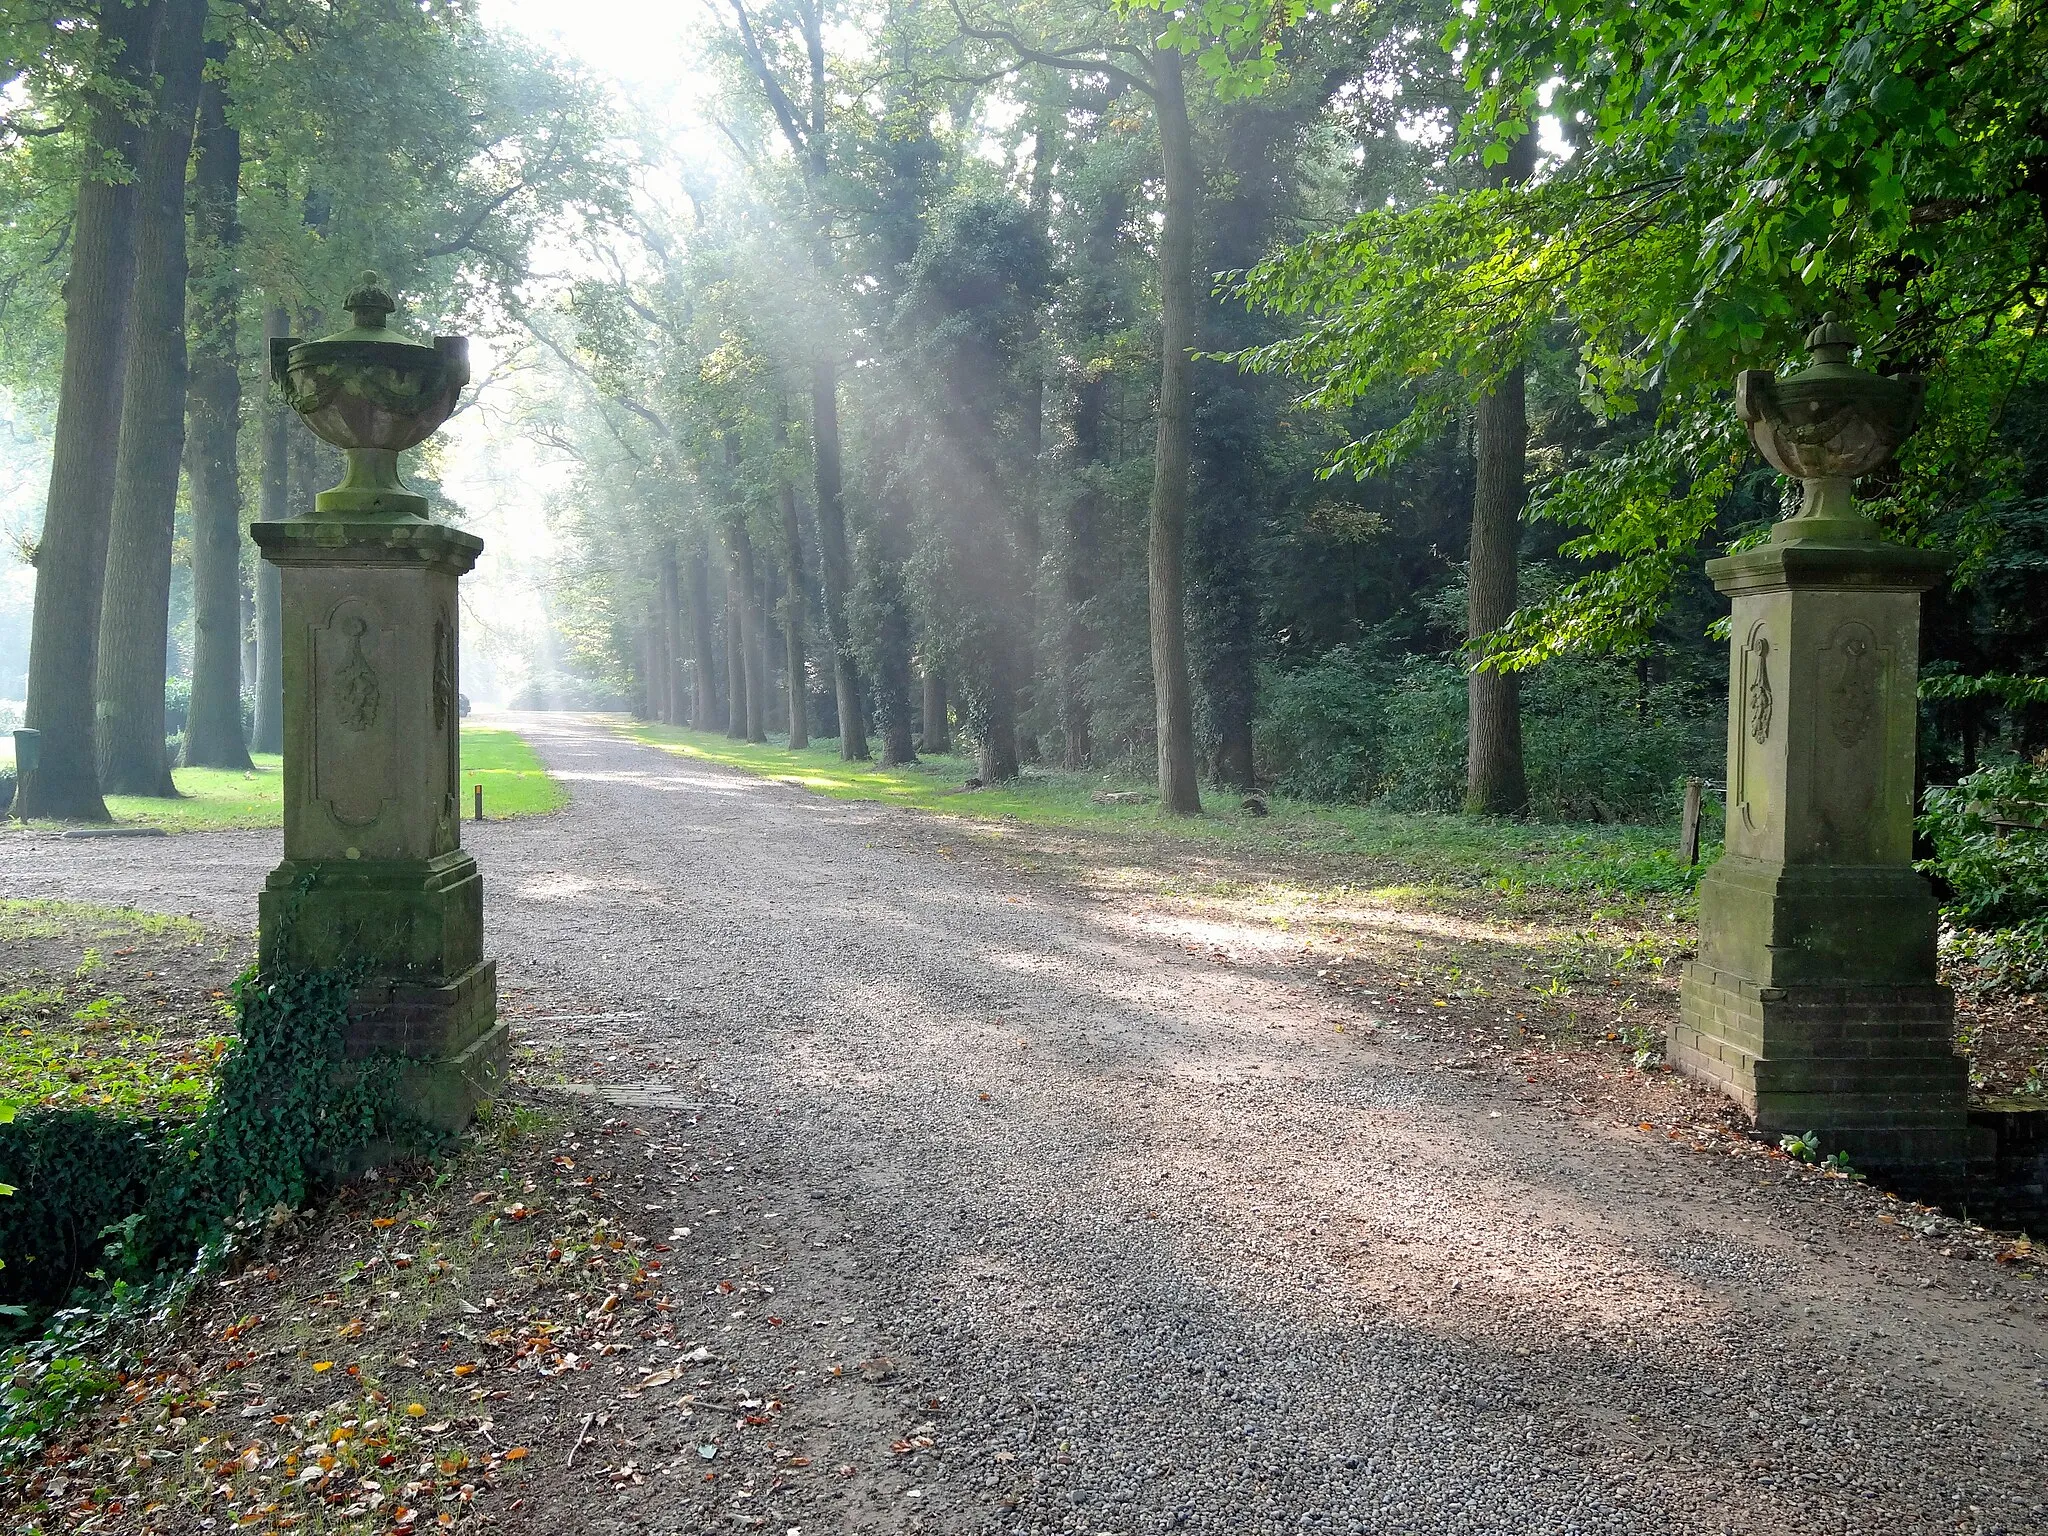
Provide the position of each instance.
(480, 805)
(1688, 825)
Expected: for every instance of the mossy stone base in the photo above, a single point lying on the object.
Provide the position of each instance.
(1779, 924)
(452, 1047)
(398, 917)
(432, 1001)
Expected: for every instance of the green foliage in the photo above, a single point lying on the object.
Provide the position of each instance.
(2002, 960)
(1990, 837)
(1806, 1148)
(1732, 175)
(287, 1110)
(79, 1173)
(1321, 737)
(1358, 724)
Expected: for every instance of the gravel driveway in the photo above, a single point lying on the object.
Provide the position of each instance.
(1149, 1245)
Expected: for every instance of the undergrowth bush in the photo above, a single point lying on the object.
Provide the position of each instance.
(121, 1212)
(1990, 865)
(1359, 724)
(1990, 837)
(107, 1196)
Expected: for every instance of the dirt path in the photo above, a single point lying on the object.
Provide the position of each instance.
(1135, 1239)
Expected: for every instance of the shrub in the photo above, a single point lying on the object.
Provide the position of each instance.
(1319, 735)
(177, 703)
(77, 1173)
(1356, 726)
(1423, 746)
(1990, 837)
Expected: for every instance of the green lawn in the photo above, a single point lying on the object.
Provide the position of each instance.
(1505, 856)
(515, 784)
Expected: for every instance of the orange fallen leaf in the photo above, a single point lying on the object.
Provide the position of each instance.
(517, 1453)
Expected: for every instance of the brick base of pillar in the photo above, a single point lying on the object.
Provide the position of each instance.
(1871, 1069)
(451, 1046)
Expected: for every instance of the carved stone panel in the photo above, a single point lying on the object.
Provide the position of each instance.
(1851, 664)
(1758, 707)
(448, 720)
(354, 736)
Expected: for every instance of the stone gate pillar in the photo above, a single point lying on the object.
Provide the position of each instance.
(374, 873)
(1814, 1002)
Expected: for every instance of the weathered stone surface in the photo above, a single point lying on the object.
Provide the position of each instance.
(374, 873)
(1814, 1002)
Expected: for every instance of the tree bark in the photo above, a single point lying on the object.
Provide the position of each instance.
(892, 639)
(832, 557)
(1494, 781)
(793, 598)
(213, 408)
(1179, 793)
(135, 611)
(938, 734)
(753, 656)
(646, 708)
(735, 648)
(705, 653)
(996, 753)
(71, 556)
(267, 733)
(673, 703)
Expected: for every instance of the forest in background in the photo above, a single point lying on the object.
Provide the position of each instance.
(1325, 399)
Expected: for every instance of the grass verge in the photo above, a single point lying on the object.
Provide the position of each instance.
(98, 1010)
(217, 799)
(1508, 857)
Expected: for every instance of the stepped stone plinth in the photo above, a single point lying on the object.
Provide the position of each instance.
(1814, 1001)
(374, 872)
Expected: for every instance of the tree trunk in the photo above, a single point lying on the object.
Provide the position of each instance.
(646, 709)
(135, 611)
(705, 654)
(774, 694)
(892, 650)
(938, 734)
(752, 655)
(1494, 781)
(673, 702)
(735, 648)
(267, 732)
(997, 750)
(832, 556)
(213, 408)
(71, 556)
(1179, 793)
(793, 599)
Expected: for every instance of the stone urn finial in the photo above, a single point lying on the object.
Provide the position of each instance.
(1825, 426)
(373, 393)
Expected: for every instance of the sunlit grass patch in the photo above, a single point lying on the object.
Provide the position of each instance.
(1433, 855)
(515, 783)
(219, 799)
(121, 1070)
(91, 922)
